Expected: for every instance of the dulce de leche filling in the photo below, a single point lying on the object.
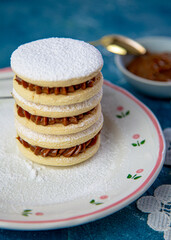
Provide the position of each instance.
(44, 121)
(67, 152)
(153, 66)
(55, 90)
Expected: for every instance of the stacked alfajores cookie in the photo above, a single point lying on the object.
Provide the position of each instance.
(57, 89)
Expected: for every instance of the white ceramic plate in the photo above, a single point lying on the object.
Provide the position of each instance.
(129, 160)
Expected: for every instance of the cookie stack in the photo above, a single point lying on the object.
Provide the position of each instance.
(57, 89)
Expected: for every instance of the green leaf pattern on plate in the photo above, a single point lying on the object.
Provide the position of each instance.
(26, 212)
(123, 114)
(138, 143)
(95, 203)
(134, 177)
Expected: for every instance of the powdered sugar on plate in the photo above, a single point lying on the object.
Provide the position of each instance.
(56, 59)
(24, 184)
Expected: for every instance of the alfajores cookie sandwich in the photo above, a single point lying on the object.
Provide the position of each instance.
(57, 71)
(57, 89)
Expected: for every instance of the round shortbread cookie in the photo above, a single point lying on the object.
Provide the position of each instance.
(60, 161)
(58, 141)
(59, 128)
(58, 111)
(56, 100)
(54, 62)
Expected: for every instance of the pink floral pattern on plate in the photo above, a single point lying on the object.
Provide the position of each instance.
(27, 212)
(123, 113)
(138, 143)
(94, 202)
(135, 176)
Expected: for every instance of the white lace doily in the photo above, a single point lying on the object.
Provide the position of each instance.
(159, 209)
(167, 135)
(159, 206)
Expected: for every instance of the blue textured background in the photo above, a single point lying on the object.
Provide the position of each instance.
(24, 21)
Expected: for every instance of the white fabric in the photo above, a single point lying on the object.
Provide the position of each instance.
(167, 135)
(159, 208)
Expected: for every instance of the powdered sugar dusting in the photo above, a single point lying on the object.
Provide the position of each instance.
(56, 59)
(25, 184)
(65, 108)
(38, 137)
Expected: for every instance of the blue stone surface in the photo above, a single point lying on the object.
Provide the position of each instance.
(24, 21)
